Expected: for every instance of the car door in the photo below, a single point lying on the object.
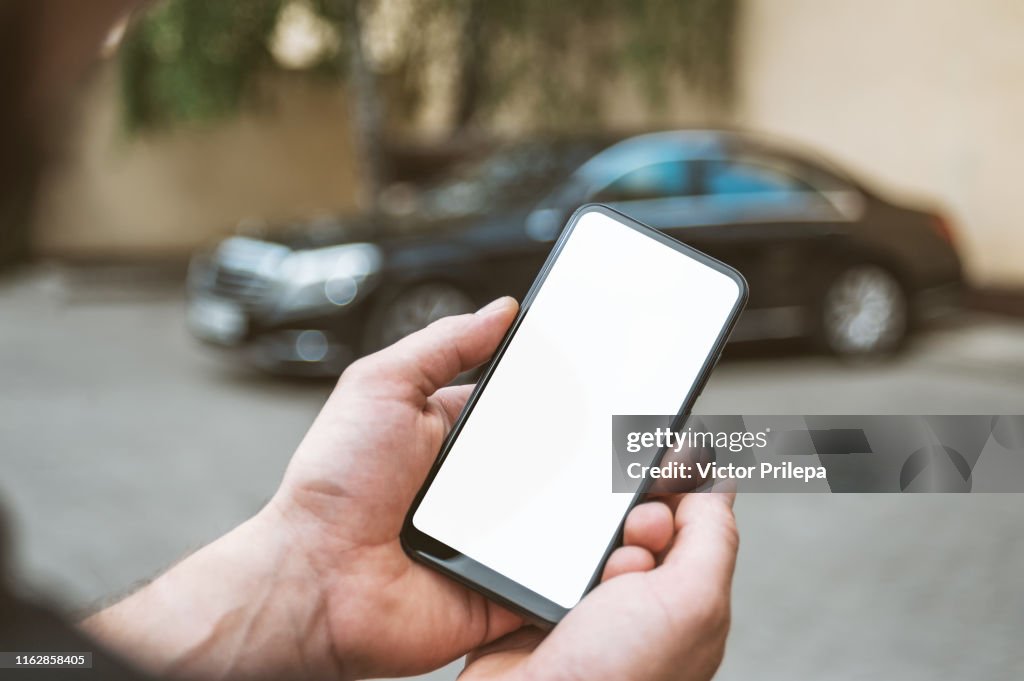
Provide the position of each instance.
(770, 223)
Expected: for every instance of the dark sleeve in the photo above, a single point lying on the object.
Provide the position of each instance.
(29, 628)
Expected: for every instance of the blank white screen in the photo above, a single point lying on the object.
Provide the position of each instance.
(622, 325)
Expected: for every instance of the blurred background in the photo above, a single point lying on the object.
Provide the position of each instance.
(242, 196)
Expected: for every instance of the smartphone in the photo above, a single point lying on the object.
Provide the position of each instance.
(622, 319)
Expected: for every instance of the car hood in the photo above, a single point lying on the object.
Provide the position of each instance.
(481, 232)
(326, 232)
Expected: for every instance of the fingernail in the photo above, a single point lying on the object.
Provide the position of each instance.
(494, 306)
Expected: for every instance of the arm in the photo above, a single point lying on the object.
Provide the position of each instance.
(317, 585)
(230, 610)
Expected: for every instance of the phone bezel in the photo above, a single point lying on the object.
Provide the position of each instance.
(425, 549)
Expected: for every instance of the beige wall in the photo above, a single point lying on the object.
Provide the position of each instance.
(924, 98)
(165, 194)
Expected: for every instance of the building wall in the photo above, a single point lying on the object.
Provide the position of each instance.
(922, 99)
(163, 195)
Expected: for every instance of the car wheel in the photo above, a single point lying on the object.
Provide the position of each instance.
(863, 312)
(415, 308)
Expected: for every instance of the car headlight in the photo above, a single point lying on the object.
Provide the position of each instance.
(326, 277)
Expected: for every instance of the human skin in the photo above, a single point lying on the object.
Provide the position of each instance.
(317, 585)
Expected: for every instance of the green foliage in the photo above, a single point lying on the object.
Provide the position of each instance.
(570, 49)
(694, 37)
(194, 60)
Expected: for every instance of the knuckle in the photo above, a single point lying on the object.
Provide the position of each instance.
(730, 533)
(360, 370)
(720, 517)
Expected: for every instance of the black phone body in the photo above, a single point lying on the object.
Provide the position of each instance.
(494, 520)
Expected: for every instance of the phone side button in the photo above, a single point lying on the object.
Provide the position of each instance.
(700, 388)
(707, 375)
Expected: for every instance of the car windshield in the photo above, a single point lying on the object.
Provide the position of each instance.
(512, 173)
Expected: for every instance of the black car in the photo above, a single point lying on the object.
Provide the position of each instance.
(826, 257)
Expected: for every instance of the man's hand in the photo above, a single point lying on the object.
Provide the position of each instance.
(645, 621)
(317, 583)
(351, 483)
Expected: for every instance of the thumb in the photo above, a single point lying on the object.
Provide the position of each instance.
(421, 363)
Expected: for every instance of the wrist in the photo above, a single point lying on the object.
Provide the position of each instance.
(243, 606)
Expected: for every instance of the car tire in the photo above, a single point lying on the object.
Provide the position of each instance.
(414, 308)
(864, 312)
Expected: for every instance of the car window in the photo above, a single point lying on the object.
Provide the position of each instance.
(654, 181)
(740, 177)
(506, 176)
(750, 189)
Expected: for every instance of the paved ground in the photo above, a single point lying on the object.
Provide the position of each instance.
(124, 445)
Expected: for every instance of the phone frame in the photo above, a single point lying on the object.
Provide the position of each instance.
(425, 549)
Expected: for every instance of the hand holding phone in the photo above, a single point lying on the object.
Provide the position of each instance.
(352, 481)
(317, 584)
(621, 320)
(334, 539)
(663, 623)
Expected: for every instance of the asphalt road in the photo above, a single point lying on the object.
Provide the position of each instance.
(125, 445)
